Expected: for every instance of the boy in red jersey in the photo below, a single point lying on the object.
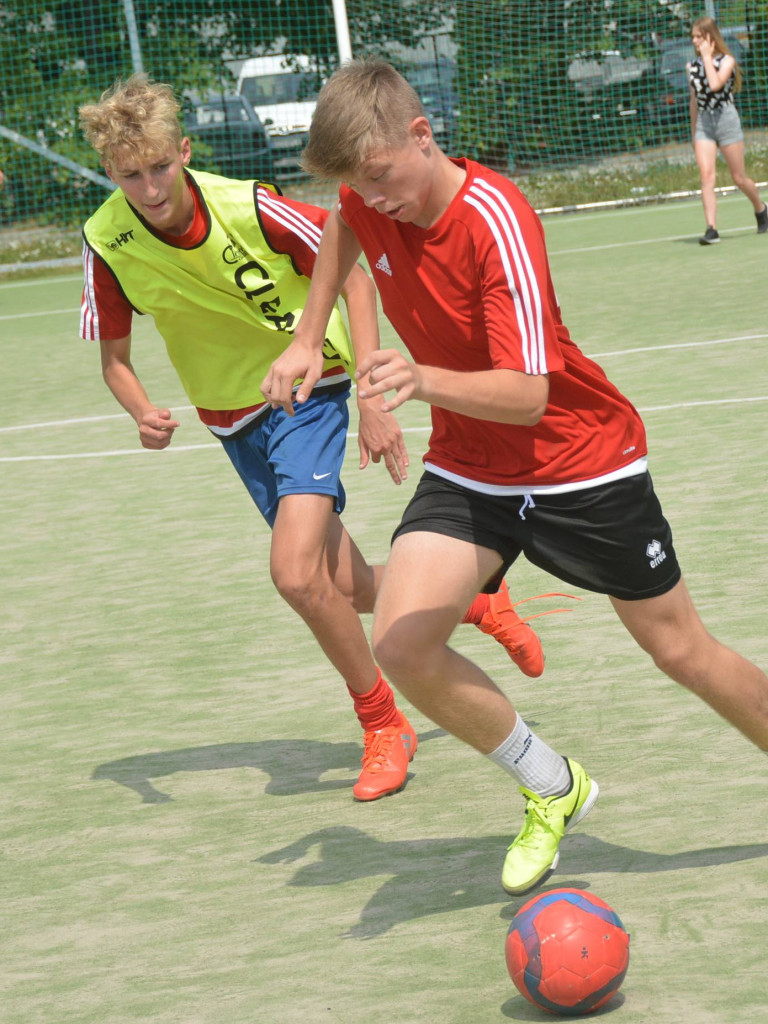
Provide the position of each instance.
(533, 450)
(223, 266)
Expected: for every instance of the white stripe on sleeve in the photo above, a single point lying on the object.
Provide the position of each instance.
(89, 312)
(296, 222)
(498, 214)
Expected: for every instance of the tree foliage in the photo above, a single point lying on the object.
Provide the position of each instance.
(57, 54)
(515, 100)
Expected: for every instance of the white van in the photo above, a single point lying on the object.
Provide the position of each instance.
(282, 89)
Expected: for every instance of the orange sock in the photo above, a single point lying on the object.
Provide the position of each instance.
(376, 709)
(477, 609)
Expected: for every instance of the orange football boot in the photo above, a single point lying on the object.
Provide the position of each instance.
(521, 643)
(386, 755)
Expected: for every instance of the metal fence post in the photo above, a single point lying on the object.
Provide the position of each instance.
(133, 35)
(343, 41)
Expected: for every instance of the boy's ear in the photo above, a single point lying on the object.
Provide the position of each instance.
(421, 130)
(186, 150)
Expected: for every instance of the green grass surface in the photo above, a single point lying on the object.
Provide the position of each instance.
(179, 841)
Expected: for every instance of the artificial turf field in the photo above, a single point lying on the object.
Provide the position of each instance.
(179, 840)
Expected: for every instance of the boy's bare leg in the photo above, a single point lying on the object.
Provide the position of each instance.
(670, 630)
(428, 583)
(492, 614)
(312, 558)
(299, 566)
(353, 576)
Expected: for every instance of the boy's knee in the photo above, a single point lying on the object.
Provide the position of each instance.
(385, 654)
(401, 657)
(671, 661)
(682, 658)
(294, 586)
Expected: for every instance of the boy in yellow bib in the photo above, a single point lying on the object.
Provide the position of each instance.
(223, 267)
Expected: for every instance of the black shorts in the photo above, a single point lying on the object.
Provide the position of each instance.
(612, 539)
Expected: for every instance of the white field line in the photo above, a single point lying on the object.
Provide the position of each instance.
(183, 448)
(351, 436)
(592, 355)
(39, 312)
(145, 451)
(638, 241)
(83, 419)
(676, 345)
(37, 282)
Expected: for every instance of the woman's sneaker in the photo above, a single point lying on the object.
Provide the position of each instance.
(533, 856)
(710, 237)
(762, 221)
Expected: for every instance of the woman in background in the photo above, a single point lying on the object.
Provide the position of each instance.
(714, 76)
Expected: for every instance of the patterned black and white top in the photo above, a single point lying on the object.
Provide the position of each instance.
(705, 98)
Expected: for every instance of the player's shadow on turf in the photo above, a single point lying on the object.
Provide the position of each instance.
(294, 766)
(437, 876)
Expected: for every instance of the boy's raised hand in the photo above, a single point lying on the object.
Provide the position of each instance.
(387, 369)
(298, 362)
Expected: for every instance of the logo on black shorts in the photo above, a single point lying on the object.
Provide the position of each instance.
(656, 553)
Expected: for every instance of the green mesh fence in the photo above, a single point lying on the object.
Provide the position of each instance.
(530, 86)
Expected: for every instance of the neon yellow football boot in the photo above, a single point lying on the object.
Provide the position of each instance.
(533, 855)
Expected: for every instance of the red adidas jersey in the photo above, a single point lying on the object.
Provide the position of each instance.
(473, 292)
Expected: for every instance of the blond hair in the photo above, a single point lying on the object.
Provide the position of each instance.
(708, 27)
(137, 118)
(365, 106)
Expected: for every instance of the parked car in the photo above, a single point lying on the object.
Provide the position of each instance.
(600, 69)
(283, 90)
(228, 124)
(613, 90)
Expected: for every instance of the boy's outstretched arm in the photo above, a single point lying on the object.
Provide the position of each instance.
(379, 434)
(155, 425)
(303, 359)
(498, 395)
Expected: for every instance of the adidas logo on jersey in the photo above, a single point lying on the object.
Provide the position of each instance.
(383, 264)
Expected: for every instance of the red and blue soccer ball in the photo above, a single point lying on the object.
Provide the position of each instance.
(567, 951)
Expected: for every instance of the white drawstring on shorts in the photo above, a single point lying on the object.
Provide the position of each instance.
(528, 502)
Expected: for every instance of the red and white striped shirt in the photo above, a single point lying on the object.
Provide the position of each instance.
(473, 292)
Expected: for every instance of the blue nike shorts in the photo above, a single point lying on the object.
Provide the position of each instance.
(300, 454)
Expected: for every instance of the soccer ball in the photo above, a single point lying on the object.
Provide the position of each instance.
(567, 951)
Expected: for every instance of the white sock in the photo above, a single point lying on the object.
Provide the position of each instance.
(535, 765)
